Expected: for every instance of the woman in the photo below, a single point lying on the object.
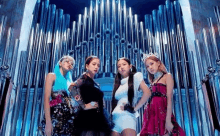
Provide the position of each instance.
(124, 98)
(158, 118)
(90, 121)
(58, 106)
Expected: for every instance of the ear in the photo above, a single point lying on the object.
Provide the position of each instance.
(87, 66)
(60, 63)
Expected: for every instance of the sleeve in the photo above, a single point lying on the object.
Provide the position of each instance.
(138, 77)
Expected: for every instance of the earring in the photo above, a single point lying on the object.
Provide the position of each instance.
(131, 69)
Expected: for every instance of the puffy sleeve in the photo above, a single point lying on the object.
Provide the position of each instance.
(138, 77)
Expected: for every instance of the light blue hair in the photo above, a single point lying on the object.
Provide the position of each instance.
(62, 82)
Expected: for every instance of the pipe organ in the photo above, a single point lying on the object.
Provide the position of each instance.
(109, 30)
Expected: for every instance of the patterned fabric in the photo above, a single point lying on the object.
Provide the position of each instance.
(154, 117)
(63, 110)
(93, 121)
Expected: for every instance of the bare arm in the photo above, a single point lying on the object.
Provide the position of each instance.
(170, 84)
(145, 96)
(48, 86)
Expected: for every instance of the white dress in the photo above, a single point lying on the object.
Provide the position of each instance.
(124, 119)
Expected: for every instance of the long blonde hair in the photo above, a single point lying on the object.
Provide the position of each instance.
(161, 67)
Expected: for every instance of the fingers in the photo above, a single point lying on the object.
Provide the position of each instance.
(122, 107)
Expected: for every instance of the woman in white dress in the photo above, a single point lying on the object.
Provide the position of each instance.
(127, 84)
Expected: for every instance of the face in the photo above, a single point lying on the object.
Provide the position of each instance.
(123, 68)
(93, 66)
(152, 66)
(67, 64)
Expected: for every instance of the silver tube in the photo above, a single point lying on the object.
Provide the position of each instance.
(185, 75)
(2, 26)
(201, 69)
(14, 59)
(196, 99)
(37, 73)
(170, 13)
(73, 36)
(5, 57)
(208, 59)
(30, 77)
(21, 75)
(217, 15)
(213, 39)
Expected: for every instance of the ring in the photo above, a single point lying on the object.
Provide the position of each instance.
(92, 103)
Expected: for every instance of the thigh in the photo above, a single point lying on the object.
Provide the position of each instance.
(128, 132)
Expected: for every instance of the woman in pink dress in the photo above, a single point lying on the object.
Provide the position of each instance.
(158, 119)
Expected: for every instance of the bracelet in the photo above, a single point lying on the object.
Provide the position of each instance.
(76, 83)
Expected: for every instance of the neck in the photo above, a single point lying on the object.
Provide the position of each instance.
(63, 72)
(90, 75)
(157, 75)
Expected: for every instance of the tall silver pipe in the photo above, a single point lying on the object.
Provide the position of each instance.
(185, 75)
(170, 14)
(199, 59)
(142, 36)
(21, 75)
(14, 59)
(30, 77)
(73, 37)
(2, 26)
(156, 26)
(37, 70)
(213, 39)
(5, 57)
(208, 59)
(217, 15)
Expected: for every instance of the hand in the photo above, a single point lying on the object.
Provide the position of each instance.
(48, 128)
(122, 106)
(91, 105)
(169, 126)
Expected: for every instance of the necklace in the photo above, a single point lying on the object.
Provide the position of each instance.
(157, 75)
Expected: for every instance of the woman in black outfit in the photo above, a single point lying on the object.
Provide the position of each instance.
(90, 120)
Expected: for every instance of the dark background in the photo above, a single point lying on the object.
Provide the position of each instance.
(76, 7)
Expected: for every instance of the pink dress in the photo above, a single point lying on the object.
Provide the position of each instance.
(154, 118)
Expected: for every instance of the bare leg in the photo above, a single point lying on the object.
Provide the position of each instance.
(115, 133)
(128, 132)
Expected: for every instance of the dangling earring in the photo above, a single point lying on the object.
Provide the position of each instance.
(131, 69)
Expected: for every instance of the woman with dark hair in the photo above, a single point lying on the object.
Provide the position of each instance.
(124, 98)
(90, 121)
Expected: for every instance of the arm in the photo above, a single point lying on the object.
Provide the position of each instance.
(47, 93)
(170, 85)
(75, 92)
(50, 78)
(145, 96)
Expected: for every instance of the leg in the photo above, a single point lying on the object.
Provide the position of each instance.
(115, 133)
(128, 132)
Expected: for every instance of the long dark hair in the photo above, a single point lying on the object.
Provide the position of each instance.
(117, 83)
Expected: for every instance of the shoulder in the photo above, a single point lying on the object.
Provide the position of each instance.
(138, 75)
(168, 77)
(51, 76)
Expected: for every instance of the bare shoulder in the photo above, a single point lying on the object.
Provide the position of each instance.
(168, 76)
(51, 76)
